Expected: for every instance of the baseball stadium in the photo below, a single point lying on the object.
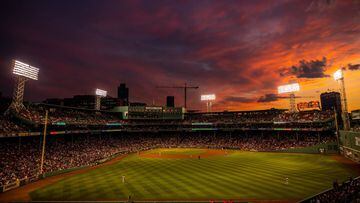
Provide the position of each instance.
(163, 154)
(249, 123)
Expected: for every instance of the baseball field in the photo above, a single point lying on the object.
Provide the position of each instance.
(201, 174)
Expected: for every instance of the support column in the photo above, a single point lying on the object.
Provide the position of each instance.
(18, 94)
(97, 102)
(208, 106)
(292, 103)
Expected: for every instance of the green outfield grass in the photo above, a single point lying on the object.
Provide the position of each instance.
(239, 175)
(180, 151)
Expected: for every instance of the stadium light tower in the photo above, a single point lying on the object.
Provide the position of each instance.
(290, 88)
(339, 77)
(23, 73)
(98, 94)
(209, 98)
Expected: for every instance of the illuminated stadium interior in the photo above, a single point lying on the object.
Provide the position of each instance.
(139, 101)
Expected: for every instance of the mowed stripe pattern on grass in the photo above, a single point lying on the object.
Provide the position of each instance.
(239, 175)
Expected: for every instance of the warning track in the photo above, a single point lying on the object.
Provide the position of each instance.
(206, 154)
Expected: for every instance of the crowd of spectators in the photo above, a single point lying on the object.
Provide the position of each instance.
(70, 116)
(74, 116)
(31, 119)
(305, 116)
(233, 117)
(348, 191)
(268, 116)
(64, 118)
(20, 157)
(7, 126)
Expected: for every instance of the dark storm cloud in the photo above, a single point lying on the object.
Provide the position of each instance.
(273, 97)
(231, 47)
(307, 69)
(238, 99)
(354, 66)
(270, 98)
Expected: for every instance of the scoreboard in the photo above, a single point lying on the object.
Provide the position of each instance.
(311, 105)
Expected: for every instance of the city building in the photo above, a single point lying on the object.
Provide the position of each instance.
(170, 101)
(355, 119)
(123, 93)
(330, 101)
(355, 115)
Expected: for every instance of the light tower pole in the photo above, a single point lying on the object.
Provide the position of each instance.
(292, 102)
(339, 76)
(97, 102)
(98, 94)
(291, 89)
(23, 72)
(18, 95)
(208, 98)
(185, 88)
(209, 106)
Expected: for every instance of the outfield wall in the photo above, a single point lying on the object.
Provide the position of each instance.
(350, 144)
(324, 148)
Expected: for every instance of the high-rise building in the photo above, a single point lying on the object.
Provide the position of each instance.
(330, 101)
(123, 93)
(170, 101)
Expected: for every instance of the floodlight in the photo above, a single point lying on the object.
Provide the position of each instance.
(338, 75)
(208, 97)
(291, 89)
(25, 70)
(100, 92)
(294, 87)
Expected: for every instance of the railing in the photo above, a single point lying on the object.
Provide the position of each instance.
(17, 183)
(312, 199)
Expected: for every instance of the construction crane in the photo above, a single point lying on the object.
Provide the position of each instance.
(185, 87)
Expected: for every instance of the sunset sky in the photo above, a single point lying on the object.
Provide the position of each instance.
(239, 50)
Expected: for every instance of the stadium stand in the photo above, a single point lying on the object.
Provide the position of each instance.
(349, 191)
(8, 127)
(20, 158)
(71, 116)
(89, 136)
